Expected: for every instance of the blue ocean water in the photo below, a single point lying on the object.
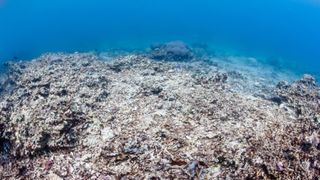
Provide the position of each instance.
(267, 29)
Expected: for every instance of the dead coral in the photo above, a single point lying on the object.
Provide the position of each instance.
(72, 116)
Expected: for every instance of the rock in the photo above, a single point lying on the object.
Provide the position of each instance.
(192, 168)
(317, 118)
(280, 166)
(44, 92)
(53, 176)
(107, 134)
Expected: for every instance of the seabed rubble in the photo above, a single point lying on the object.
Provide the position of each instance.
(75, 116)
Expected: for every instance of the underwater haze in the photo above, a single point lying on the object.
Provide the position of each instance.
(282, 32)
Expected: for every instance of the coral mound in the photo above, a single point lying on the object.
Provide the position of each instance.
(74, 116)
(172, 51)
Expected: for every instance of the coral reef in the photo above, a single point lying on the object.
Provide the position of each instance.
(74, 116)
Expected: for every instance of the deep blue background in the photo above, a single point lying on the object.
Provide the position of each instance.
(287, 29)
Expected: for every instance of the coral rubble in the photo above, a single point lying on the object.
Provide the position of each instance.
(74, 116)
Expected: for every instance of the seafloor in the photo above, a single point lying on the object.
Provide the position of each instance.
(133, 116)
